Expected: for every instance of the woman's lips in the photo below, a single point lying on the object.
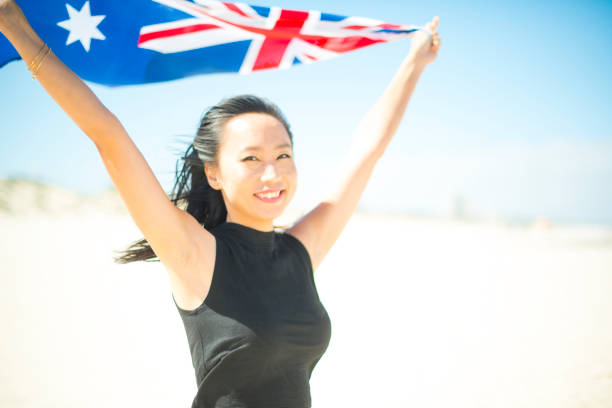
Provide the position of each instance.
(270, 196)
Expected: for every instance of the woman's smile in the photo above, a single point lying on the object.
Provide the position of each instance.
(270, 196)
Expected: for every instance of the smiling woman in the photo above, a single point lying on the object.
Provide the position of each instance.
(252, 315)
(244, 290)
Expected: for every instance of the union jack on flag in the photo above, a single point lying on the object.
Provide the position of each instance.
(121, 42)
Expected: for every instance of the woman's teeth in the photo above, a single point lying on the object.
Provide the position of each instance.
(269, 195)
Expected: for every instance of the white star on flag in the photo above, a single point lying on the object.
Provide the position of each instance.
(82, 26)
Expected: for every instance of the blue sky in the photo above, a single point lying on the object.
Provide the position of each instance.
(513, 117)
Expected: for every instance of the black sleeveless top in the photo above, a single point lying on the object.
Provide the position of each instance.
(257, 336)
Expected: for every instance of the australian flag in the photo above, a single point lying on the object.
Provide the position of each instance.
(124, 42)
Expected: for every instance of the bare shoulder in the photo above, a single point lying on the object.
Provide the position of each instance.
(190, 280)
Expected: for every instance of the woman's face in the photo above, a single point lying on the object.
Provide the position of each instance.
(255, 170)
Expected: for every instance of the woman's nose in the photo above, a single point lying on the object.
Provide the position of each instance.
(269, 173)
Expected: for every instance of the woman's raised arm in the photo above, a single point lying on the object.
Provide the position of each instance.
(174, 235)
(321, 227)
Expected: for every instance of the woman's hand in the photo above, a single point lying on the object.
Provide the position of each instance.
(8, 10)
(5, 4)
(424, 47)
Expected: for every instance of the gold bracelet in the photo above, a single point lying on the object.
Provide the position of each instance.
(35, 69)
(31, 64)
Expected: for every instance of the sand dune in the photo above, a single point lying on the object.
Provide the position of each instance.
(425, 312)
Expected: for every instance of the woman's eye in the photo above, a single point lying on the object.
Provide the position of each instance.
(253, 158)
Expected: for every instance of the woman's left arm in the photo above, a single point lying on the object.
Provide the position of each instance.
(319, 229)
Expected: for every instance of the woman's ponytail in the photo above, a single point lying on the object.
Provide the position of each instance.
(203, 202)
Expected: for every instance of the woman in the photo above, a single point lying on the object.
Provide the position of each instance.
(245, 291)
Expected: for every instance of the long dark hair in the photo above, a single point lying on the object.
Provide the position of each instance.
(191, 191)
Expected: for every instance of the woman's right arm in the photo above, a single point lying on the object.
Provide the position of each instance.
(173, 234)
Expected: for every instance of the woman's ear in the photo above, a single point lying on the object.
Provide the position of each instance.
(211, 175)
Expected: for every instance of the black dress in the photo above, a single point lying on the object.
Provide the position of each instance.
(260, 331)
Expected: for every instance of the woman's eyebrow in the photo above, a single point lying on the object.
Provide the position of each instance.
(259, 148)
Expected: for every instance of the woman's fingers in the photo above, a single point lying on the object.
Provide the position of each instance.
(425, 49)
(436, 43)
(431, 26)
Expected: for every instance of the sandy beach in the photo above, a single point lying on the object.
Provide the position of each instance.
(425, 312)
